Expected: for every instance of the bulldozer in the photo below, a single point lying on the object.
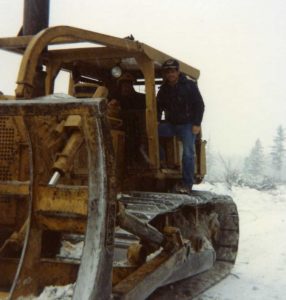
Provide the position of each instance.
(75, 171)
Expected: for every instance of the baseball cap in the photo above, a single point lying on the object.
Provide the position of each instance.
(171, 64)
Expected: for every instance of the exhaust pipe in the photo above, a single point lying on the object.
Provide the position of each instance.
(36, 16)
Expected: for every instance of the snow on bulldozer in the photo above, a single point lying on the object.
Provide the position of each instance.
(73, 169)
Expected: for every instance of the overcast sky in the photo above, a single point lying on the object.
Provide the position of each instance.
(239, 47)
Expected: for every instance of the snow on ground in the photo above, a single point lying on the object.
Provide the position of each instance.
(71, 250)
(260, 269)
(54, 293)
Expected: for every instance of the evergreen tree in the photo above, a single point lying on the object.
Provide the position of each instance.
(278, 151)
(255, 162)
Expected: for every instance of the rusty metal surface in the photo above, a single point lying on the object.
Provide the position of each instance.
(62, 199)
(27, 240)
(94, 277)
(19, 188)
(9, 149)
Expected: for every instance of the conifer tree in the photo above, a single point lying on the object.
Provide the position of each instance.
(278, 151)
(255, 162)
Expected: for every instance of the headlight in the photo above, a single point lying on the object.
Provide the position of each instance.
(116, 72)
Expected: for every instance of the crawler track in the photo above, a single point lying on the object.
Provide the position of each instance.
(148, 206)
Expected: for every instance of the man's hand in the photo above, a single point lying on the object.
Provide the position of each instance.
(113, 108)
(196, 129)
(113, 103)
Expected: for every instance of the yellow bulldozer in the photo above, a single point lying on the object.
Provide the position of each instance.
(74, 170)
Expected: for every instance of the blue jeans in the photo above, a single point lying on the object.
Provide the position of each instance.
(184, 132)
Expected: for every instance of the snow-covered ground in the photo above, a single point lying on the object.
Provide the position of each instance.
(260, 270)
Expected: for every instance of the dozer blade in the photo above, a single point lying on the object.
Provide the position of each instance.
(64, 208)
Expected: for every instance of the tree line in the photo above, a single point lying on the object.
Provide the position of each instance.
(259, 169)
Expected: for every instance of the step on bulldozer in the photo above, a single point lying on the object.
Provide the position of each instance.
(77, 171)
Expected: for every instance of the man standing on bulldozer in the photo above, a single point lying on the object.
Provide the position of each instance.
(180, 100)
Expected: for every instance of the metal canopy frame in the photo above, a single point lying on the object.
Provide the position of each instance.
(147, 60)
(65, 34)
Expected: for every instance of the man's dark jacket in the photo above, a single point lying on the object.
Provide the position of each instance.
(181, 103)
